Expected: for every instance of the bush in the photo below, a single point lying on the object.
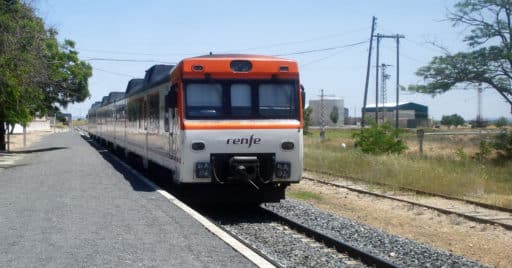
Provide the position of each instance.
(503, 145)
(484, 152)
(452, 120)
(378, 139)
(501, 122)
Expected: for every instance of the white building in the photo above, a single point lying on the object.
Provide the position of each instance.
(328, 106)
(37, 124)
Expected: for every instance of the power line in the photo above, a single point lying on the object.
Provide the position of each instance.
(305, 40)
(115, 73)
(253, 48)
(132, 53)
(322, 58)
(320, 49)
(127, 60)
(405, 55)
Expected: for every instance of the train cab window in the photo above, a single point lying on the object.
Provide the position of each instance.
(277, 100)
(204, 100)
(241, 103)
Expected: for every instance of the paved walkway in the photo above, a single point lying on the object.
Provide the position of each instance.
(65, 206)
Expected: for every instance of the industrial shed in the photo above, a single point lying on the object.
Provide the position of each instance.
(410, 114)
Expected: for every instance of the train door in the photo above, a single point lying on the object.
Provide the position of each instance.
(145, 112)
(170, 107)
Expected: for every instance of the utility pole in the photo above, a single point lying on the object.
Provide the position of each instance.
(479, 112)
(383, 87)
(377, 81)
(322, 116)
(322, 113)
(374, 20)
(397, 37)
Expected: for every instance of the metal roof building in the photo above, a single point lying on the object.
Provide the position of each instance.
(410, 114)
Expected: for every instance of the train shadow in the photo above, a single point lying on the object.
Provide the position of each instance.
(34, 150)
(199, 198)
(136, 184)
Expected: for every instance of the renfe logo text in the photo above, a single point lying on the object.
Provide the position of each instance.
(249, 141)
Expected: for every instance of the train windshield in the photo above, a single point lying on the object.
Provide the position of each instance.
(241, 100)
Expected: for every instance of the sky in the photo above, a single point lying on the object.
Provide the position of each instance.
(329, 40)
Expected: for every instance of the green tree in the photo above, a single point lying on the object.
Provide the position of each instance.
(501, 122)
(334, 115)
(307, 119)
(452, 120)
(490, 61)
(379, 139)
(37, 73)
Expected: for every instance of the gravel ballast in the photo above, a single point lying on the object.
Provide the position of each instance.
(400, 251)
(283, 245)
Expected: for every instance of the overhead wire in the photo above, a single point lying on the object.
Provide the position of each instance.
(320, 49)
(132, 53)
(246, 49)
(114, 73)
(305, 40)
(323, 58)
(128, 60)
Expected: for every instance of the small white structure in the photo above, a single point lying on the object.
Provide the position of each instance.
(328, 105)
(37, 124)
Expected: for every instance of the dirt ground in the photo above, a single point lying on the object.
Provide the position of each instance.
(487, 244)
(16, 140)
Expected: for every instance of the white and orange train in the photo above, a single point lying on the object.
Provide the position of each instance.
(222, 126)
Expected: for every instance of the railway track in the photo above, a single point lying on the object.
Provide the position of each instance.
(479, 212)
(329, 241)
(317, 249)
(285, 242)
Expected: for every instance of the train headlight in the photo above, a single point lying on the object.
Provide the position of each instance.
(283, 170)
(287, 145)
(203, 170)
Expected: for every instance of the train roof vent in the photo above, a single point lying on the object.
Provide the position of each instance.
(115, 96)
(96, 104)
(134, 85)
(157, 74)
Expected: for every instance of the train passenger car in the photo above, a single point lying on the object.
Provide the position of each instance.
(225, 126)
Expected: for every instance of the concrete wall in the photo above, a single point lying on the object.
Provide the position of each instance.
(329, 105)
(38, 124)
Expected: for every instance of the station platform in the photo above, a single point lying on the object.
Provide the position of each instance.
(63, 205)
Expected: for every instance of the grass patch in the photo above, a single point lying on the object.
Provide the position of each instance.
(438, 174)
(304, 195)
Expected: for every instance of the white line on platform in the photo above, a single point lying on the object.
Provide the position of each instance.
(227, 238)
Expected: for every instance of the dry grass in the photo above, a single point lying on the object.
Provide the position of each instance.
(440, 170)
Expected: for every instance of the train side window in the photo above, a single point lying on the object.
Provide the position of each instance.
(153, 110)
(140, 113)
(170, 100)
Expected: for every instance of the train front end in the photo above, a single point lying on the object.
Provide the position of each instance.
(242, 126)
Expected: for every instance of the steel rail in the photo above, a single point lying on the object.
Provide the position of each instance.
(245, 243)
(341, 246)
(442, 210)
(476, 203)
